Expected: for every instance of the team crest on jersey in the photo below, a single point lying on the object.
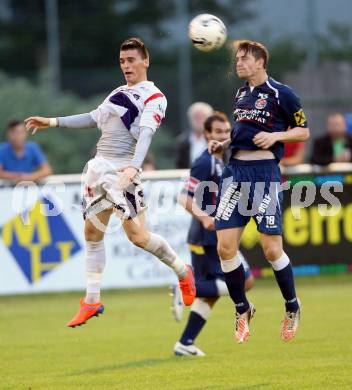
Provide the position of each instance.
(260, 103)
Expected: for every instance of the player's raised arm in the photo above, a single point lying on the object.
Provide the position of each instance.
(142, 147)
(187, 202)
(199, 174)
(294, 135)
(79, 121)
(296, 120)
(35, 123)
(265, 140)
(298, 125)
(217, 146)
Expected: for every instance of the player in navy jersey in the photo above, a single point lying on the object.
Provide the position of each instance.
(250, 186)
(198, 197)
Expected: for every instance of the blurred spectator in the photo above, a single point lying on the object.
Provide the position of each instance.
(294, 154)
(21, 160)
(191, 144)
(149, 162)
(349, 122)
(336, 145)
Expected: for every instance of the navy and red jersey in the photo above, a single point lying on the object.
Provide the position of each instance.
(204, 171)
(269, 107)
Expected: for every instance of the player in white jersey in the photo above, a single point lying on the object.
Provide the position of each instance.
(127, 118)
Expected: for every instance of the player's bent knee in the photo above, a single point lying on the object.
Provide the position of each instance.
(91, 233)
(272, 252)
(140, 240)
(226, 250)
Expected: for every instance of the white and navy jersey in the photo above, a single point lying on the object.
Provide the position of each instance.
(269, 107)
(123, 113)
(204, 170)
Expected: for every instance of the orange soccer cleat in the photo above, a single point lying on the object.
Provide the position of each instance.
(242, 324)
(188, 287)
(289, 325)
(86, 311)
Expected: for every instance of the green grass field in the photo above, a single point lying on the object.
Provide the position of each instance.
(130, 346)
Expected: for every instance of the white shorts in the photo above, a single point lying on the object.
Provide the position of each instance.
(101, 191)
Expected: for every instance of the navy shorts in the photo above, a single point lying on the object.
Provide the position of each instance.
(206, 263)
(250, 189)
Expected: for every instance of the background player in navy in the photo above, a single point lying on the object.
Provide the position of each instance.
(198, 200)
(264, 109)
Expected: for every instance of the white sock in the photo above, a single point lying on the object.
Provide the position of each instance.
(202, 308)
(231, 264)
(281, 263)
(160, 248)
(95, 263)
(222, 287)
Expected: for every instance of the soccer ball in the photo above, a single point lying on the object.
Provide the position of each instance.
(207, 32)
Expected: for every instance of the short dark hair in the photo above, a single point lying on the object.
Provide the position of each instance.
(135, 43)
(12, 124)
(217, 116)
(257, 49)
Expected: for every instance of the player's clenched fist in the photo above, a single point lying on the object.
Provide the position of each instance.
(35, 123)
(264, 139)
(208, 223)
(215, 147)
(126, 177)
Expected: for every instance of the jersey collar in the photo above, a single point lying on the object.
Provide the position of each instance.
(260, 85)
(141, 83)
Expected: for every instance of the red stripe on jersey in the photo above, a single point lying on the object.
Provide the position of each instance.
(194, 180)
(155, 96)
(191, 184)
